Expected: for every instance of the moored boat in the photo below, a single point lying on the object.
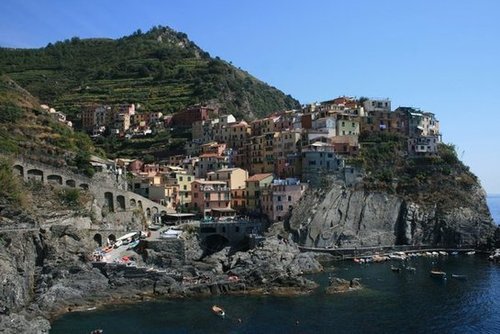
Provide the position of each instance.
(437, 273)
(218, 311)
(458, 276)
(133, 244)
(471, 253)
(395, 269)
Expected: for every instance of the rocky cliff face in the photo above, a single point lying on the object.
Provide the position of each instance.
(355, 218)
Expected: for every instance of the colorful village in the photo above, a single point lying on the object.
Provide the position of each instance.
(259, 168)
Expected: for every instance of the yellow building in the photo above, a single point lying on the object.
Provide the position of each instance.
(235, 179)
(254, 186)
(184, 181)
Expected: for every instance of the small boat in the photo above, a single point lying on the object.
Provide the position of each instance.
(442, 253)
(458, 276)
(395, 269)
(454, 253)
(471, 253)
(357, 260)
(218, 311)
(412, 269)
(133, 244)
(437, 273)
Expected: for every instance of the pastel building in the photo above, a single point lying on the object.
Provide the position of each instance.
(281, 196)
(347, 125)
(235, 179)
(184, 181)
(423, 145)
(254, 187)
(211, 197)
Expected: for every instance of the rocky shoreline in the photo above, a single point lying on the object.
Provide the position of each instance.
(47, 272)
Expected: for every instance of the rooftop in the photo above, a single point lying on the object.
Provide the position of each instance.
(259, 177)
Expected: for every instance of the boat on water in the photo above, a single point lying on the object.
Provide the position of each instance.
(458, 276)
(454, 253)
(218, 311)
(133, 244)
(395, 269)
(471, 253)
(437, 273)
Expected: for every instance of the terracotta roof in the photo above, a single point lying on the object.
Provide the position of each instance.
(259, 177)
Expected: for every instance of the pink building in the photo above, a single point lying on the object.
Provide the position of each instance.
(281, 196)
(209, 196)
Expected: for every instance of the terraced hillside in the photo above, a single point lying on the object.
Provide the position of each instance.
(162, 70)
(28, 130)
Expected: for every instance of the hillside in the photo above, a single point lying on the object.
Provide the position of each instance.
(27, 129)
(162, 70)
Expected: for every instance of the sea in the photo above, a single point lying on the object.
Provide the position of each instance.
(494, 205)
(390, 302)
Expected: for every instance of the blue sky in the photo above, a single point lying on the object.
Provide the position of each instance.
(441, 56)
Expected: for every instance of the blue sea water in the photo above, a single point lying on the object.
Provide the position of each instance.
(391, 302)
(494, 205)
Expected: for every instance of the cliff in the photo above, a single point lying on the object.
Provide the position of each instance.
(349, 217)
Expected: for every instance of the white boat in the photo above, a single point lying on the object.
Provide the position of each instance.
(471, 253)
(218, 311)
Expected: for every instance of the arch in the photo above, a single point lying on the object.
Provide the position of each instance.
(84, 186)
(19, 170)
(71, 183)
(139, 203)
(148, 212)
(111, 239)
(98, 239)
(154, 210)
(35, 175)
(120, 200)
(53, 178)
(163, 213)
(214, 243)
(108, 201)
(132, 203)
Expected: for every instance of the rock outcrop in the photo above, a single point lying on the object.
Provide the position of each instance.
(338, 285)
(341, 217)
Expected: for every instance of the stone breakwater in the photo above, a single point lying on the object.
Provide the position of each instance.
(341, 217)
(48, 272)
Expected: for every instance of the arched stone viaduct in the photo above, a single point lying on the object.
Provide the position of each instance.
(115, 199)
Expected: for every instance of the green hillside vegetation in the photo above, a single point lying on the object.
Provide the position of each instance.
(442, 180)
(161, 70)
(28, 130)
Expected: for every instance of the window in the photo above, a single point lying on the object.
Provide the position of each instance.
(279, 198)
(189, 178)
(289, 198)
(180, 178)
(184, 187)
